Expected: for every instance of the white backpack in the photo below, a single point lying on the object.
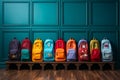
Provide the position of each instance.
(106, 50)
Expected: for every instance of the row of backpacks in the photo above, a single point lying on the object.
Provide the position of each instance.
(59, 51)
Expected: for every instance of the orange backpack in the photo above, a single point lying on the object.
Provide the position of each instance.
(71, 50)
(60, 50)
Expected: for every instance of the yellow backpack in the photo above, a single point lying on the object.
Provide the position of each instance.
(95, 50)
(37, 50)
(94, 44)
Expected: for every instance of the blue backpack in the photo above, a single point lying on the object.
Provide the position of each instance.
(14, 50)
(106, 50)
(48, 50)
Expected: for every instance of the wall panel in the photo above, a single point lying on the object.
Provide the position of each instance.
(45, 13)
(119, 13)
(1, 45)
(104, 13)
(74, 13)
(0, 27)
(119, 49)
(15, 0)
(45, 0)
(15, 13)
(0, 14)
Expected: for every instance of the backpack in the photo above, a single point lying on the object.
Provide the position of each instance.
(106, 50)
(95, 50)
(48, 50)
(14, 49)
(71, 50)
(26, 50)
(60, 50)
(37, 50)
(83, 54)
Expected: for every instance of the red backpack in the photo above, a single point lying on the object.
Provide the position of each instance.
(95, 54)
(83, 50)
(26, 49)
(60, 50)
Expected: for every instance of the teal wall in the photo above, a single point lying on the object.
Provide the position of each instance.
(59, 19)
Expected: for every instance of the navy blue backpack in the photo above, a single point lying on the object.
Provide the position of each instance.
(14, 50)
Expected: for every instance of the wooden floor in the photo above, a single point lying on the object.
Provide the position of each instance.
(59, 75)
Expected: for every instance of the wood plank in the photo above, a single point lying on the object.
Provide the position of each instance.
(59, 75)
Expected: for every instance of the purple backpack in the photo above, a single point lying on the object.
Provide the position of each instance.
(14, 50)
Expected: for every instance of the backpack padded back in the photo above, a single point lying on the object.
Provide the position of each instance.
(95, 50)
(83, 50)
(14, 50)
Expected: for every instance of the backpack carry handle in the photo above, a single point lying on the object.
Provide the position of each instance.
(26, 38)
(38, 38)
(94, 38)
(71, 38)
(14, 38)
(105, 38)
